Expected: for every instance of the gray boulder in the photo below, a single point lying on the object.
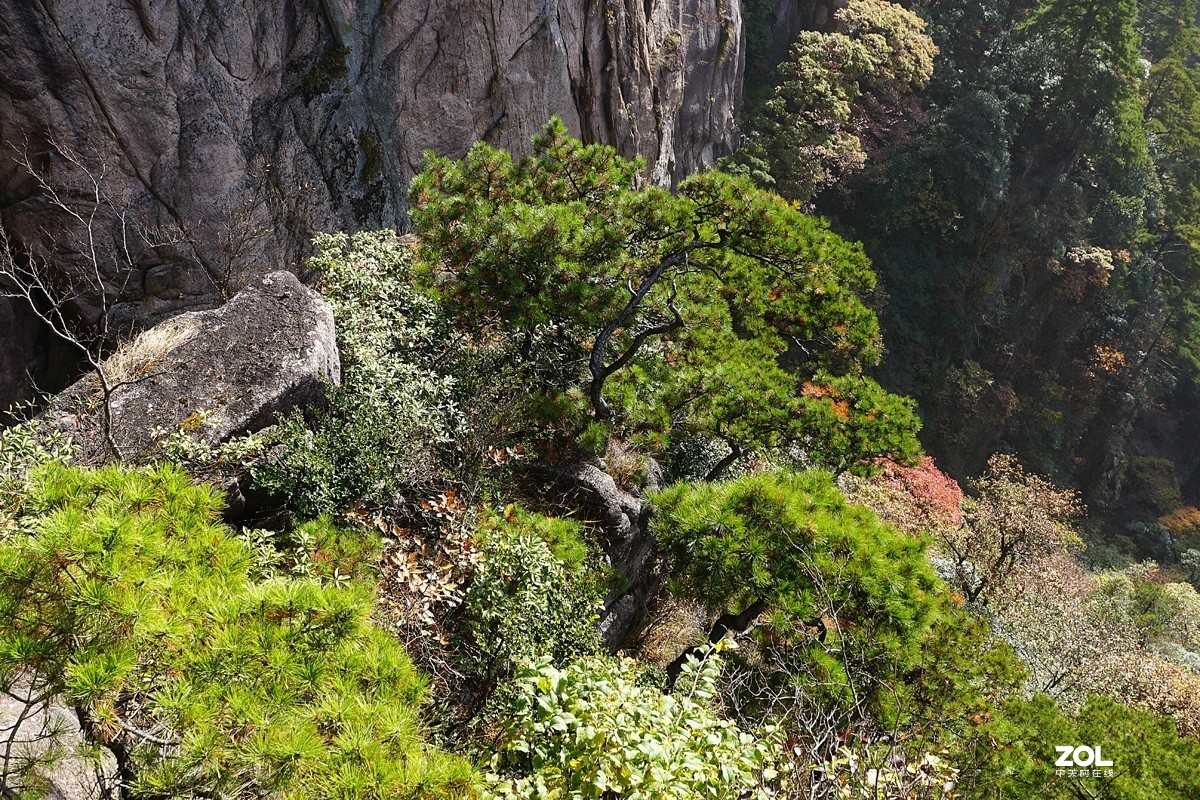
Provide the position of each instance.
(48, 750)
(214, 374)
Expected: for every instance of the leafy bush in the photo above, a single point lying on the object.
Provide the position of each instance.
(595, 730)
(317, 548)
(130, 600)
(23, 447)
(530, 596)
(918, 499)
(187, 447)
(412, 409)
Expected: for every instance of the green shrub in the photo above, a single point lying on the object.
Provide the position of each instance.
(531, 595)
(420, 401)
(385, 423)
(595, 730)
(1015, 759)
(131, 600)
(853, 595)
(23, 447)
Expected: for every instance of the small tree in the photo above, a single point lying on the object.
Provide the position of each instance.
(1016, 521)
(854, 593)
(721, 310)
(107, 243)
(918, 499)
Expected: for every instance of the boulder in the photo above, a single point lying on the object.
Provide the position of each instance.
(214, 374)
(48, 739)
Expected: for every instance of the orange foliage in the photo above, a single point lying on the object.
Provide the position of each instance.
(1107, 360)
(815, 392)
(1184, 525)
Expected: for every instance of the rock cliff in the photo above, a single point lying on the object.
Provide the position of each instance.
(233, 131)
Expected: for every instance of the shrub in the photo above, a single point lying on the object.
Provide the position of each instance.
(1017, 521)
(595, 730)
(317, 548)
(852, 595)
(418, 404)
(530, 596)
(214, 462)
(916, 499)
(1184, 627)
(1015, 759)
(23, 447)
(1152, 683)
(129, 599)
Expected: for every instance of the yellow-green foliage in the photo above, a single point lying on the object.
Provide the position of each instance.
(595, 730)
(129, 597)
(808, 131)
(531, 596)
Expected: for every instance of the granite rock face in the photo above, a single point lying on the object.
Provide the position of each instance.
(215, 374)
(47, 734)
(231, 132)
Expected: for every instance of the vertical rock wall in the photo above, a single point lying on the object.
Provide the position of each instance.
(234, 131)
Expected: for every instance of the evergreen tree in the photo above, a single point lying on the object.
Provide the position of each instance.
(721, 310)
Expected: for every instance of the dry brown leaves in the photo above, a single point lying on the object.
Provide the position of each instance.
(425, 570)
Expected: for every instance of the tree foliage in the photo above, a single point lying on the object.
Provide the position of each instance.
(419, 402)
(1151, 761)
(719, 310)
(1035, 234)
(810, 131)
(918, 499)
(855, 596)
(1016, 523)
(126, 597)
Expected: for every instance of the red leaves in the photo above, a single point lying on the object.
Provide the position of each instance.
(934, 493)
